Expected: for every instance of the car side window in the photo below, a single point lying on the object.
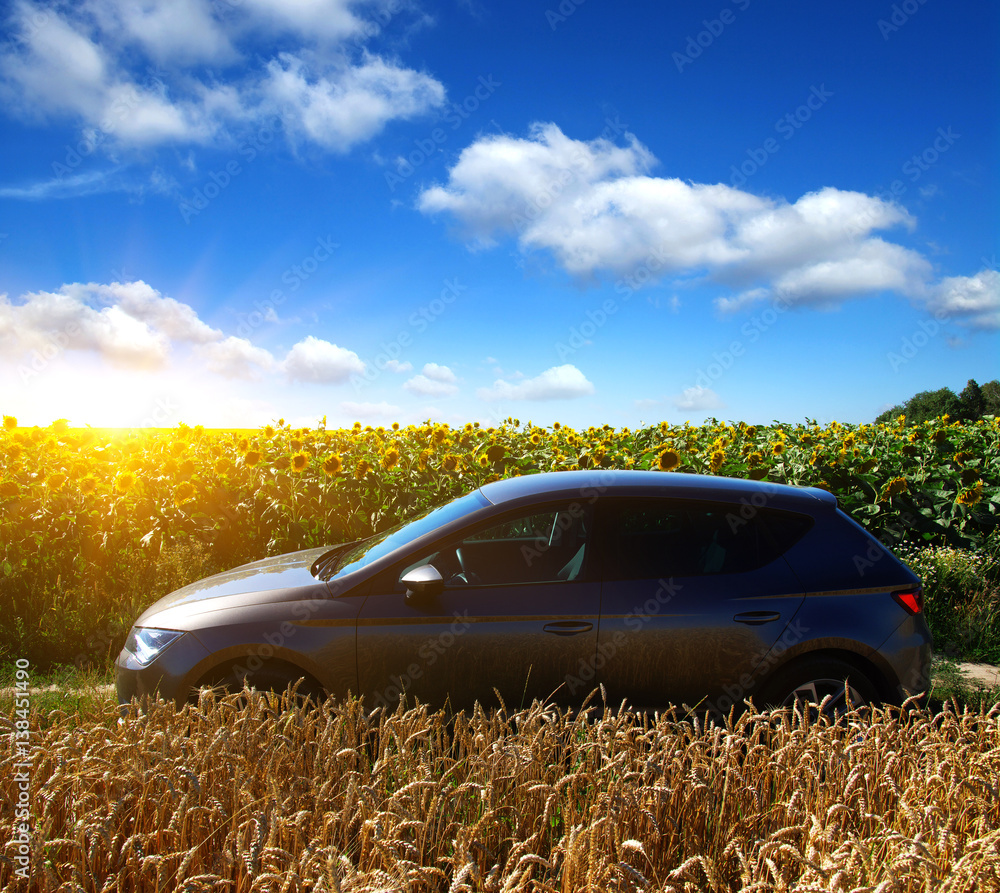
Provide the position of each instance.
(649, 539)
(548, 546)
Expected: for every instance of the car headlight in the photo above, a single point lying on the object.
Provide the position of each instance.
(147, 643)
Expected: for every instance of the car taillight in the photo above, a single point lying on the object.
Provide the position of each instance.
(911, 599)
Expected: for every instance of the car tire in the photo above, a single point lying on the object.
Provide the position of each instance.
(812, 679)
(275, 680)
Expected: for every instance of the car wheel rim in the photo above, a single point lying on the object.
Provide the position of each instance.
(841, 697)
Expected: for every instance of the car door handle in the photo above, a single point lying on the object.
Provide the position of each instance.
(754, 617)
(568, 627)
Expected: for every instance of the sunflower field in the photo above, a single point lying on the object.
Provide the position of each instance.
(97, 524)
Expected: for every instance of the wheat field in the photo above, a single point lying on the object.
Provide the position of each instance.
(268, 795)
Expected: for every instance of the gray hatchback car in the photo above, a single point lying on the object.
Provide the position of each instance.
(662, 588)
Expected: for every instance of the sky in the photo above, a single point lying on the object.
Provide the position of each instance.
(229, 212)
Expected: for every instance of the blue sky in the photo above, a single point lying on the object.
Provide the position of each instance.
(226, 212)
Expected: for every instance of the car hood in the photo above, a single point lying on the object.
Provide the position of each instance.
(278, 579)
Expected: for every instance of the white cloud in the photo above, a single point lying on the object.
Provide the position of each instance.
(315, 360)
(341, 108)
(130, 324)
(170, 31)
(594, 206)
(439, 373)
(973, 300)
(433, 381)
(236, 358)
(698, 398)
(396, 366)
(125, 71)
(88, 183)
(558, 383)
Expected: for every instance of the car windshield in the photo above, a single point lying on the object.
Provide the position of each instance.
(367, 551)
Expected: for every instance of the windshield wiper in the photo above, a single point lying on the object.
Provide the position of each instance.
(328, 562)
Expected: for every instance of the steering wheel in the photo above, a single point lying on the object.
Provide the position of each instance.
(466, 575)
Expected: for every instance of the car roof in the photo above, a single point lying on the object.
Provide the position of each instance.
(589, 484)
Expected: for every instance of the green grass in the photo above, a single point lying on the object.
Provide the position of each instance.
(60, 691)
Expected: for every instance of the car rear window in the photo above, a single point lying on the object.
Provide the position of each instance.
(649, 539)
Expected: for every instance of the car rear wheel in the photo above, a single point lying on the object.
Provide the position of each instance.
(810, 681)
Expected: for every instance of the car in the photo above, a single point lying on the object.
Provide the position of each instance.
(660, 588)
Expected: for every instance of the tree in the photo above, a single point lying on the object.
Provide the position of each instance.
(991, 397)
(971, 405)
(972, 402)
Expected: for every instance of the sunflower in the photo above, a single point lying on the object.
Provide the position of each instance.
(9, 422)
(332, 464)
(14, 451)
(536, 439)
(88, 485)
(222, 465)
(9, 489)
(178, 447)
(251, 458)
(972, 495)
(778, 447)
(451, 462)
(668, 460)
(361, 469)
(440, 434)
(389, 458)
(718, 457)
(269, 431)
(964, 456)
(484, 460)
(755, 458)
(425, 457)
(184, 492)
(300, 462)
(125, 482)
(895, 487)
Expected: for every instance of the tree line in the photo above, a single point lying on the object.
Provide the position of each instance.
(974, 402)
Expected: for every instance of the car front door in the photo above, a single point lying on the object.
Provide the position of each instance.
(517, 615)
(694, 596)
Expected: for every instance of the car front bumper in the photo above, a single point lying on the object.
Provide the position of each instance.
(170, 675)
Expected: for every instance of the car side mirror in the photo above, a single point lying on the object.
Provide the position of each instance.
(422, 583)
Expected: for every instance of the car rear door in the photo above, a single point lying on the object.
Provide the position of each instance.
(518, 613)
(694, 596)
